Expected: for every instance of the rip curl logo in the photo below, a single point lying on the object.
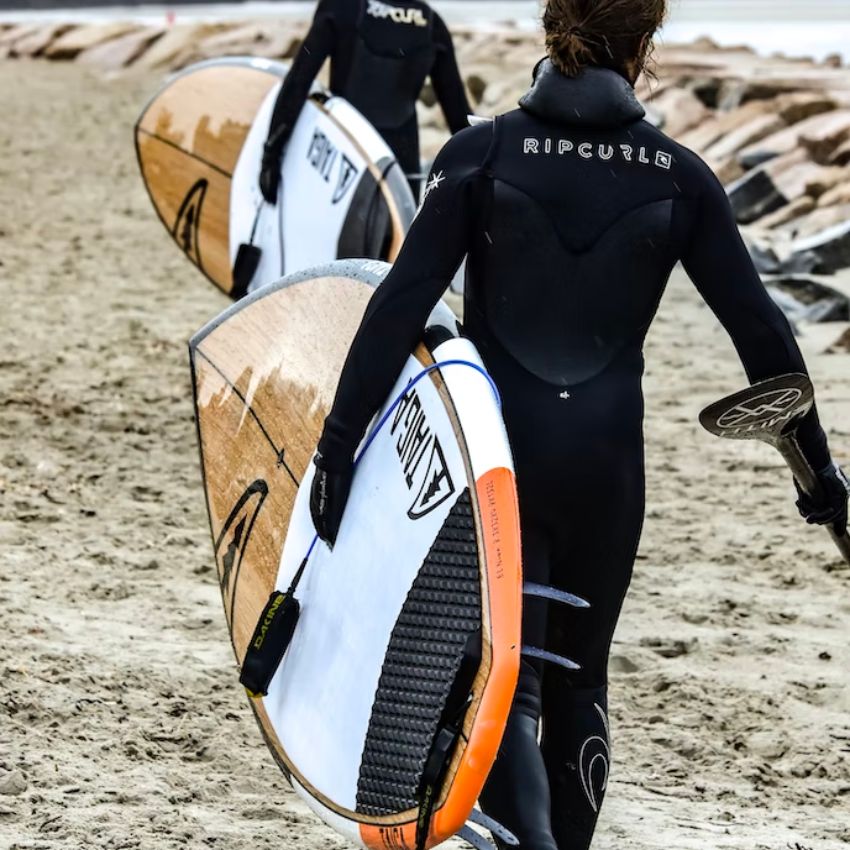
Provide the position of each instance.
(396, 14)
(603, 152)
(595, 756)
(765, 411)
(423, 462)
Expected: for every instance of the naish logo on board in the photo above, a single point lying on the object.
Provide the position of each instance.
(324, 156)
(232, 540)
(397, 15)
(588, 150)
(423, 461)
(187, 224)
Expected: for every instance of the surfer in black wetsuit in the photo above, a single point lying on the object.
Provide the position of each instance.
(573, 212)
(381, 53)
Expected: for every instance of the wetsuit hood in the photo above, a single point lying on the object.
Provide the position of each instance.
(597, 97)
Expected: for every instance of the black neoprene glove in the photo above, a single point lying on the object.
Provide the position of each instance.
(829, 507)
(270, 172)
(328, 497)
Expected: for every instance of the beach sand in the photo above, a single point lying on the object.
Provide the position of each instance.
(121, 721)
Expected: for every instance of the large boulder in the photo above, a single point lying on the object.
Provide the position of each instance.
(75, 41)
(796, 209)
(817, 130)
(824, 253)
(816, 221)
(682, 110)
(721, 123)
(178, 46)
(839, 194)
(120, 52)
(770, 186)
(750, 131)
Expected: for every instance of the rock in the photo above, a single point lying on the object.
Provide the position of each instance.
(682, 110)
(799, 105)
(257, 39)
(826, 252)
(35, 42)
(768, 187)
(827, 179)
(717, 126)
(816, 129)
(837, 195)
(737, 92)
(13, 783)
(750, 131)
(119, 52)
(476, 84)
(764, 258)
(841, 155)
(824, 140)
(818, 302)
(841, 345)
(796, 209)
(177, 46)
(823, 218)
(727, 170)
(75, 41)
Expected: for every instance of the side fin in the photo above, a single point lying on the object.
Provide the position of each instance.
(480, 819)
(544, 591)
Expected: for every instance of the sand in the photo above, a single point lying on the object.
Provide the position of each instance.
(121, 722)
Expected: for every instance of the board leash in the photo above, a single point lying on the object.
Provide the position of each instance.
(276, 626)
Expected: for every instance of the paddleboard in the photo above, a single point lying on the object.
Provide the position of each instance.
(423, 585)
(199, 146)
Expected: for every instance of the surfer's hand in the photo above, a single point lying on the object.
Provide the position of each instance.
(829, 507)
(270, 173)
(328, 497)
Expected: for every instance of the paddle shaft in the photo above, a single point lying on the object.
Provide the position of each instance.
(808, 482)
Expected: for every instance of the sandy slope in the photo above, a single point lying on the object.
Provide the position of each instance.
(121, 725)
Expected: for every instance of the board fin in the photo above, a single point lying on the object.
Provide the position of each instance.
(552, 657)
(544, 591)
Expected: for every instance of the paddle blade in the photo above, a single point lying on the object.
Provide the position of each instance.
(768, 410)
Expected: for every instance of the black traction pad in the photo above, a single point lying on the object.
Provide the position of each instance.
(424, 654)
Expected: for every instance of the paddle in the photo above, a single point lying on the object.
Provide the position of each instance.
(771, 411)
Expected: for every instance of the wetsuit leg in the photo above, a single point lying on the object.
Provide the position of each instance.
(517, 791)
(592, 558)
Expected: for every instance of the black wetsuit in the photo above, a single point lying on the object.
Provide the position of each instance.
(381, 53)
(573, 212)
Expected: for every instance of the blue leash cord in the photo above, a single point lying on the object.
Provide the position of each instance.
(398, 400)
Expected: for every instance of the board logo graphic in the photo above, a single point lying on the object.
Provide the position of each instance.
(187, 225)
(765, 411)
(347, 173)
(323, 155)
(423, 461)
(233, 540)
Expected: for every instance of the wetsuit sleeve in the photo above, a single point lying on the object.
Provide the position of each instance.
(445, 76)
(397, 312)
(316, 47)
(719, 264)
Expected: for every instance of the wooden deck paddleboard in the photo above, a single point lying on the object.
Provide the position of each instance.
(199, 146)
(425, 577)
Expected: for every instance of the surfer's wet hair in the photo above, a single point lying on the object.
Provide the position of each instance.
(615, 34)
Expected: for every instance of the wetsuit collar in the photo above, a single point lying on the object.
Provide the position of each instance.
(598, 97)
